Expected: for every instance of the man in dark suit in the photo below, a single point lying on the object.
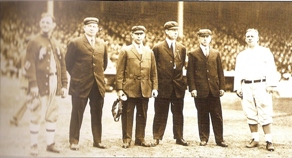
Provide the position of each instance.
(86, 61)
(170, 60)
(136, 78)
(206, 84)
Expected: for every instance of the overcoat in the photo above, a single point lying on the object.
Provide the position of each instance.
(205, 74)
(170, 71)
(136, 73)
(86, 65)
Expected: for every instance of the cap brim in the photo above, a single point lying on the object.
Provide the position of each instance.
(138, 31)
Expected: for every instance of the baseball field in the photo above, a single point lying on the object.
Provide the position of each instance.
(15, 140)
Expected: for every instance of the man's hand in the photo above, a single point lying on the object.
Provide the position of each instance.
(239, 93)
(64, 92)
(221, 92)
(154, 93)
(194, 93)
(34, 91)
(122, 95)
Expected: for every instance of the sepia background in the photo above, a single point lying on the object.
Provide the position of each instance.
(228, 21)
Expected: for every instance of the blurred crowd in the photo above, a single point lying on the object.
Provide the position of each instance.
(228, 39)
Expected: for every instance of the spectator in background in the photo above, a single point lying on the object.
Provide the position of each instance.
(170, 59)
(206, 83)
(86, 61)
(47, 77)
(254, 81)
(136, 78)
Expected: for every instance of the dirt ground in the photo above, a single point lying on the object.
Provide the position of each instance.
(15, 139)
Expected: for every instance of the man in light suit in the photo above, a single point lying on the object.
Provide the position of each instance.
(206, 83)
(170, 59)
(86, 61)
(136, 78)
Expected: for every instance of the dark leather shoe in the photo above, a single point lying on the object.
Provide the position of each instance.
(144, 144)
(74, 146)
(203, 143)
(222, 144)
(155, 142)
(99, 145)
(182, 142)
(53, 148)
(252, 144)
(126, 145)
(270, 146)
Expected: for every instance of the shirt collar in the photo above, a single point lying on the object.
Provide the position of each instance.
(169, 42)
(89, 38)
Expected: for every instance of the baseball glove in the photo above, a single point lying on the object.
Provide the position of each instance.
(117, 109)
(33, 102)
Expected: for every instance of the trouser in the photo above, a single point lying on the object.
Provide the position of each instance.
(48, 111)
(161, 107)
(96, 102)
(141, 105)
(206, 108)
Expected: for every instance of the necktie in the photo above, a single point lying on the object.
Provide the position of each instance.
(206, 52)
(92, 42)
(171, 47)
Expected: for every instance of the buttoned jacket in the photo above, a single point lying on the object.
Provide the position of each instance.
(205, 74)
(37, 64)
(170, 69)
(86, 65)
(136, 73)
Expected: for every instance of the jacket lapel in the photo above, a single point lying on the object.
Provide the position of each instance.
(87, 44)
(134, 50)
(167, 49)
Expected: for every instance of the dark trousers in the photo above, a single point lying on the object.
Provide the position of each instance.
(206, 108)
(96, 104)
(141, 105)
(161, 107)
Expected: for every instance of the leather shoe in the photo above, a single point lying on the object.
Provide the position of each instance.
(203, 143)
(53, 148)
(155, 142)
(252, 144)
(182, 142)
(270, 146)
(126, 145)
(222, 144)
(99, 145)
(34, 150)
(144, 144)
(74, 146)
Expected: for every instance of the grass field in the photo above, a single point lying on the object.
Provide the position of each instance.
(15, 140)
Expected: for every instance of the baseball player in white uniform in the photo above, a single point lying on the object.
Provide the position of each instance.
(254, 81)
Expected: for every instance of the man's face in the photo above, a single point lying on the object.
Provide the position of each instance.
(172, 34)
(91, 29)
(251, 38)
(47, 24)
(138, 37)
(205, 39)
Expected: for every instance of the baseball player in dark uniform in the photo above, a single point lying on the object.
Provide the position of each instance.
(46, 74)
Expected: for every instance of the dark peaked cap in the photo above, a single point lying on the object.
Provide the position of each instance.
(170, 25)
(138, 29)
(204, 32)
(90, 20)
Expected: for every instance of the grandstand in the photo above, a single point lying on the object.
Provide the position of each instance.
(228, 21)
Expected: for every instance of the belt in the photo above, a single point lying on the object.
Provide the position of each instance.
(52, 73)
(254, 81)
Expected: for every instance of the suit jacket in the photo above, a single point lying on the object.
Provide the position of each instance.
(86, 65)
(170, 79)
(205, 74)
(136, 73)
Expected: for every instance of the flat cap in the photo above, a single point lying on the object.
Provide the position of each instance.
(90, 20)
(171, 25)
(136, 29)
(204, 32)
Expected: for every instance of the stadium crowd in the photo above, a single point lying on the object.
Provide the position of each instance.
(228, 38)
